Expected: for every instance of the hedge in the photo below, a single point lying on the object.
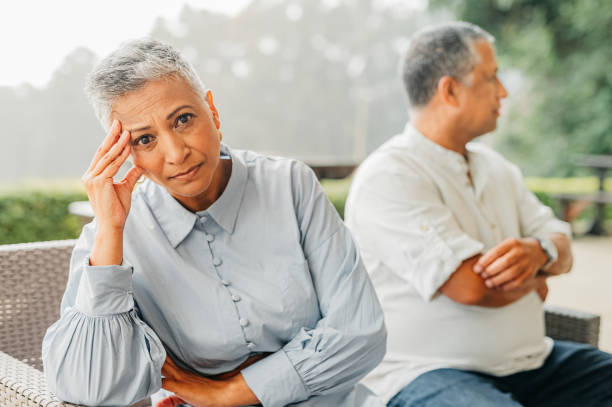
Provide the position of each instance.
(39, 212)
(34, 215)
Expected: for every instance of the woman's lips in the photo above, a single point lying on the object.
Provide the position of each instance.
(187, 174)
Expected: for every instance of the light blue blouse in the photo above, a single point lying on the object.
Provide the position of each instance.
(269, 267)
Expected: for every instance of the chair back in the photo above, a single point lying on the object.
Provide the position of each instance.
(33, 278)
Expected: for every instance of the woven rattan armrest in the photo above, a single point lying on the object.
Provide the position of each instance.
(22, 385)
(571, 325)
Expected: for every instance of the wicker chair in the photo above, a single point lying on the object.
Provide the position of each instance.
(33, 278)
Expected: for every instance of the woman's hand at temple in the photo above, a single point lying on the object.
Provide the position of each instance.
(110, 200)
(228, 389)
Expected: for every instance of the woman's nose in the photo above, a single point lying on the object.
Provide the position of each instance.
(175, 149)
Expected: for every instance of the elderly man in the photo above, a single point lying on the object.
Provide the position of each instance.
(459, 250)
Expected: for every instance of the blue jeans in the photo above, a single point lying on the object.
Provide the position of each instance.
(572, 375)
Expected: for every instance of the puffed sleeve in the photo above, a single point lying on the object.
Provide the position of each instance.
(100, 352)
(414, 231)
(350, 338)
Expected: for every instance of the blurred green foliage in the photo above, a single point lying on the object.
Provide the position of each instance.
(562, 51)
(35, 215)
(40, 212)
(337, 191)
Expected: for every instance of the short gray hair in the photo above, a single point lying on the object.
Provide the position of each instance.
(435, 52)
(130, 67)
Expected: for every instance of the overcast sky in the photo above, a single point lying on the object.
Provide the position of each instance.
(36, 35)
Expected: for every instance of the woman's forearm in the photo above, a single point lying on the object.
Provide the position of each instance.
(239, 393)
(227, 390)
(107, 248)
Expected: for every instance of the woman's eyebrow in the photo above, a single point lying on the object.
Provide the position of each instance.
(176, 110)
(139, 129)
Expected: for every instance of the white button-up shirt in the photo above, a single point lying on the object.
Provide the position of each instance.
(418, 211)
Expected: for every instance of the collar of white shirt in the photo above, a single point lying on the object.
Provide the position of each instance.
(457, 163)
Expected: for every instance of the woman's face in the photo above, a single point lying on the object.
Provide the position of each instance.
(175, 139)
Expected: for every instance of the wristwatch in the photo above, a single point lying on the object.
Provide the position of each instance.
(549, 248)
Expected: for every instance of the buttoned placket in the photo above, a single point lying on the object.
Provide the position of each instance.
(479, 199)
(217, 262)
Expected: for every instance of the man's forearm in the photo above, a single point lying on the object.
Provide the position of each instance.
(565, 259)
(495, 298)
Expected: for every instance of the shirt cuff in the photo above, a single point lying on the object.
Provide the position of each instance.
(438, 259)
(275, 381)
(552, 227)
(105, 290)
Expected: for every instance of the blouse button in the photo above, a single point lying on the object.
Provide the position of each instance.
(217, 261)
(225, 282)
(251, 345)
(210, 238)
(243, 322)
(203, 219)
(235, 298)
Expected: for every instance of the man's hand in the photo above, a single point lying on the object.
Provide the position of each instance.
(511, 263)
(228, 389)
(541, 287)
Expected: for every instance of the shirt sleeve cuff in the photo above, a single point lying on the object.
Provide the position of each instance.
(105, 290)
(439, 259)
(552, 227)
(275, 381)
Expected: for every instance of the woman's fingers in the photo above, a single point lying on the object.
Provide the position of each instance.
(113, 134)
(113, 167)
(169, 369)
(132, 176)
(171, 401)
(116, 150)
(170, 362)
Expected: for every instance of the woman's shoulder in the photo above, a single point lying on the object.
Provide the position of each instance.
(272, 166)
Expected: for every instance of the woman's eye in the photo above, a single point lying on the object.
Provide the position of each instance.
(142, 140)
(184, 118)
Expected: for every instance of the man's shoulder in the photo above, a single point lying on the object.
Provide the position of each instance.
(392, 169)
(263, 162)
(393, 156)
(272, 175)
(489, 156)
(481, 149)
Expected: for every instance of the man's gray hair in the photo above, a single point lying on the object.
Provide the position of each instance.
(130, 67)
(435, 52)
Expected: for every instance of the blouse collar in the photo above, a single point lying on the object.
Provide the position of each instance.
(177, 222)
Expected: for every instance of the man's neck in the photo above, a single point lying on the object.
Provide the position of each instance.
(441, 132)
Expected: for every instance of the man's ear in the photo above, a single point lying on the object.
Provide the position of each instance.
(448, 89)
(213, 109)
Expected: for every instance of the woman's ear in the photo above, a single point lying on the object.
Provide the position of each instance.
(213, 109)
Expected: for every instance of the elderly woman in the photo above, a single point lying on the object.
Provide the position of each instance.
(233, 264)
